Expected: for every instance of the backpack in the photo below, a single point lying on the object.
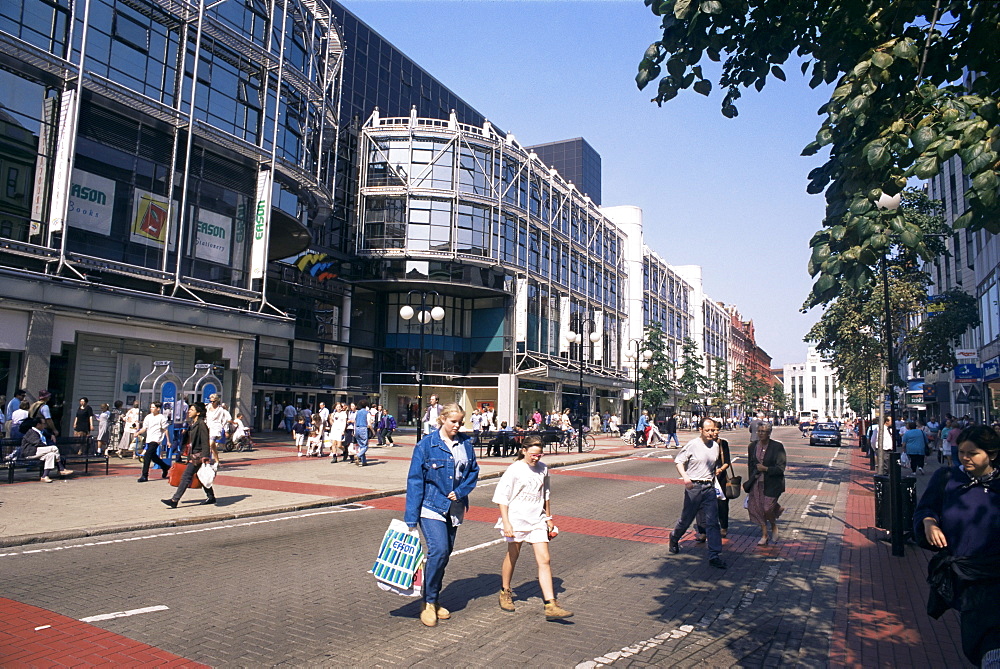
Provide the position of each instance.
(35, 408)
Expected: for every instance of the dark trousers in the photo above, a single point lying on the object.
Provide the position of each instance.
(723, 517)
(385, 436)
(189, 473)
(917, 462)
(701, 499)
(153, 455)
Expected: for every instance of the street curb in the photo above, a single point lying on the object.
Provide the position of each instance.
(67, 535)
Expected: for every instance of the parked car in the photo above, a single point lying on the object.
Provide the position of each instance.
(825, 434)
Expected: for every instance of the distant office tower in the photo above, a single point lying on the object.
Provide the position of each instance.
(576, 161)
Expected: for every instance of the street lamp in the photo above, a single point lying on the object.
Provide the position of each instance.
(577, 338)
(425, 317)
(891, 203)
(637, 361)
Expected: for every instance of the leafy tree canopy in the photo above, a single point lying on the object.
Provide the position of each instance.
(655, 381)
(902, 106)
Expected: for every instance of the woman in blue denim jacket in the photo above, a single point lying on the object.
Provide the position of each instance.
(443, 472)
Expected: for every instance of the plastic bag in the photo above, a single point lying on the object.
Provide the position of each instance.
(904, 459)
(400, 558)
(206, 474)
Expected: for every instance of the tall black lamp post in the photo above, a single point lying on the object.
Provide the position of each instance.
(424, 317)
(891, 203)
(637, 361)
(577, 338)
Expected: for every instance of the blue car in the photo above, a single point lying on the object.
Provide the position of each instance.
(825, 434)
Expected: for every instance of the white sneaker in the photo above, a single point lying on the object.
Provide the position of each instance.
(46, 479)
(65, 472)
(920, 470)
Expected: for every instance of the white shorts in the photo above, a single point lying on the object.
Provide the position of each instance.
(539, 535)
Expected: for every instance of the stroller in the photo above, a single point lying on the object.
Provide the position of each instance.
(631, 438)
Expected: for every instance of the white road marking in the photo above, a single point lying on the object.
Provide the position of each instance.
(805, 511)
(477, 547)
(599, 463)
(629, 651)
(42, 627)
(834, 458)
(123, 614)
(249, 523)
(644, 492)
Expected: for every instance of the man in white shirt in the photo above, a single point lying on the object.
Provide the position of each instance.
(154, 433)
(324, 415)
(431, 415)
(218, 420)
(698, 463)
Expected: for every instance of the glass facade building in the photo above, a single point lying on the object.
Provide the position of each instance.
(156, 155)
(518, 255)
(577, 162)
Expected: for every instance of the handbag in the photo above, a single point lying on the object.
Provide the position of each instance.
(732, 489)
(400, 556)
(733, 485)
(176, 472)
(748, 485)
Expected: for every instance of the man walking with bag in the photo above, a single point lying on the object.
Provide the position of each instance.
(697, 463)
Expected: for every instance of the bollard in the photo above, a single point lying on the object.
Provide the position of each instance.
(896, 530)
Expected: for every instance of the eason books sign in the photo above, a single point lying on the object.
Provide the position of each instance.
(91, 202)
(149, 219)
(213, 238)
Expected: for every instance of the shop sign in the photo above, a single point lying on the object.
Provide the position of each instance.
(967, 356)
(261, 223)
(91, 202)
(149, 219)
(213, 234)
(991, 369)
(968, 373)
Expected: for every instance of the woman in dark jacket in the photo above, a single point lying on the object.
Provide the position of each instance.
(197, 445)
(766, 481)
(959, 517)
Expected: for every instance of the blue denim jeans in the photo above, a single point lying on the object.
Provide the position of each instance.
(672, 436)
(701, 500)
(361, 439)
(439, 536)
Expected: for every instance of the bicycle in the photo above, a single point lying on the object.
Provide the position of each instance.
(570, 441)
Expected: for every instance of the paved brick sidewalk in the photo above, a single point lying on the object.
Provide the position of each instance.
(881, 600)
(35, 637)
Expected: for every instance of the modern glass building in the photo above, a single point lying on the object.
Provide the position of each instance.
(156, 155)
(515, 255)
(577, 162)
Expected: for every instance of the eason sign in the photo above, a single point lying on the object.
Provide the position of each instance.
(213, 237)
(261, 223)
(91, 202)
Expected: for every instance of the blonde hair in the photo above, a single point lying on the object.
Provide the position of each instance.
(449, 409)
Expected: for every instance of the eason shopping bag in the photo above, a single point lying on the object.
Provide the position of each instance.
(400, 558)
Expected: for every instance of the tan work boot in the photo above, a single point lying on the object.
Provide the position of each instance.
(554, 612)
(429, 615)
(442, 613)
(507, 600)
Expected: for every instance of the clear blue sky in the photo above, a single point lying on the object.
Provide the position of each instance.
(726, 194)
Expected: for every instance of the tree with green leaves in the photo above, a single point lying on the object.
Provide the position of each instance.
(718, 386)
(656, 382)
(749, 388)
(904, 104)
(781, 403)
(851, 333)
(692, 381)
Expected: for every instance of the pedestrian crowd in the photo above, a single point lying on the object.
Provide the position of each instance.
(344, 432)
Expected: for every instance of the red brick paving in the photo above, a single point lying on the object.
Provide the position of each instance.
(69, 642)
(880, 618)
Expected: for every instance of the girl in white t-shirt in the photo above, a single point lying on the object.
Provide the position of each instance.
(525, 515)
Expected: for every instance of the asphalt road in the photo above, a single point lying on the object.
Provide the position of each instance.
(293, 590)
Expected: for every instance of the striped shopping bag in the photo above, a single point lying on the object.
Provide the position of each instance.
(399, 558)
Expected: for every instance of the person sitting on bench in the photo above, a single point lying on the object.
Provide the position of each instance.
(34, 447)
